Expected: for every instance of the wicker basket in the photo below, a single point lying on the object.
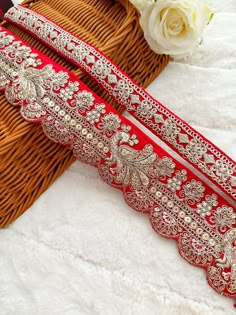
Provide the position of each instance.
(29, 161)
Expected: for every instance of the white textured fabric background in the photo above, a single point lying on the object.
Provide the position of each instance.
(80, 250)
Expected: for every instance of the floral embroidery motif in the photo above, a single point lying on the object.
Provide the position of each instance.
(67, 93)
(133, 140)
(221, 169)
(20, 53)
(145, 108)
(169, 130)
(224, 218)
(5, 40)
(59, 80)
(193, 190)
(175, 182)
(79, 52)
(111, 122)
(165, 167)
(83, 101)
(204, 208)
(176, 133)
(94, 115)
(196, 149)
(123, 90)
(102, 70)
(149, 178)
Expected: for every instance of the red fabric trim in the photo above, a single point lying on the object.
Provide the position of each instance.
(208, 169)
(153, 182)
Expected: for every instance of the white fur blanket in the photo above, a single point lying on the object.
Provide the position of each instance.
(80, 250)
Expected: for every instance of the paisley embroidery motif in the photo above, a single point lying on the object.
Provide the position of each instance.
(171, 129)
(129, 166)
(179, 205)
(222, 274)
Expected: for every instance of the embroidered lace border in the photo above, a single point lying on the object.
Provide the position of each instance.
(180, 206)
(181, 137)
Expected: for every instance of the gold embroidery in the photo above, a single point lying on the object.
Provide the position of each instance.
(184, 139)
(71, 116)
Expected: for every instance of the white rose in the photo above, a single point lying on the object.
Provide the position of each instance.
(140, 4)
(173, 27)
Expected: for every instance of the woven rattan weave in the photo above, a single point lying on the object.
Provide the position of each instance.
(29, 162)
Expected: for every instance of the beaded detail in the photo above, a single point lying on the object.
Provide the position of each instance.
(180, 206)
(176, 133)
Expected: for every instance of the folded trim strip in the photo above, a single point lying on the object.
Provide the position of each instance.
(180, 136)
(180, 206)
